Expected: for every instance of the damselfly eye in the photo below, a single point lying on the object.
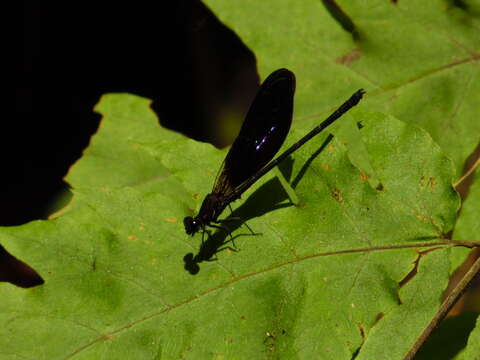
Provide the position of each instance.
(191, 225)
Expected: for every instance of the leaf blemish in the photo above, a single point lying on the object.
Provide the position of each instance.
(172, 219)
(362, 330)
(269, 340)
(325, 167)
(431, 183)
(349, 57)
(379, 317)
(132, 237)
(423, 218)
(337, 195)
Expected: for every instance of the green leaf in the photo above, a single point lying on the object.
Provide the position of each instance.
(418, 63)
(344, 273)
(325, 277)
(471, 352)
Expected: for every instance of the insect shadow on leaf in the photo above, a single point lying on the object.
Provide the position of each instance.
(268, 197)
(250, 157)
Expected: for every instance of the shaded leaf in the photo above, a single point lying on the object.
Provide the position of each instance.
(471, 352)
(322, 277)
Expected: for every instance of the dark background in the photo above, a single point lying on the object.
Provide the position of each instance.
(175, 53)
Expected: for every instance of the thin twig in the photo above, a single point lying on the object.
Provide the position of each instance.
(467, 174)
(446, 306)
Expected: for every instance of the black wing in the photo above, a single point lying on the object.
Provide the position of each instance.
(262, 134)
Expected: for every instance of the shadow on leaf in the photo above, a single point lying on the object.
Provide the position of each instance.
(269, 197)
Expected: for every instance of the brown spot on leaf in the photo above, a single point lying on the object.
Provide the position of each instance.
(362, 330)
(337, 195)
(422, 182)
(423, 218)
(349, 57)
(429, 183)
(132, 237)
(172, 220)
(196, 196)
(363, 176)
(379, 317)
(379, 187)
(325, 166)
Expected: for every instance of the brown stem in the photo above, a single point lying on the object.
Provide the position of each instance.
(447, 304)
(468, 173)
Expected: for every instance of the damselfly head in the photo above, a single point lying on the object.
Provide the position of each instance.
(191, 225)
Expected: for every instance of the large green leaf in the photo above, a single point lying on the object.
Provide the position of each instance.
(324, 277)
(417, 62)
(335, 275)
